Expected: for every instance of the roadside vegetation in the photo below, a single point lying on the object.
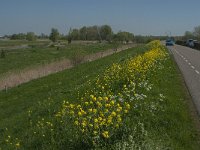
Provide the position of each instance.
(136, 103)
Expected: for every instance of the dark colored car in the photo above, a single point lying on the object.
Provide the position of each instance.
(169, 42)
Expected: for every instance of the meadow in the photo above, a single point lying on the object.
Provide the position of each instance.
(43, 52)
(133, 99)
(12, 43)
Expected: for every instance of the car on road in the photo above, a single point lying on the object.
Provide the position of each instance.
(190, 43)
(169, 42)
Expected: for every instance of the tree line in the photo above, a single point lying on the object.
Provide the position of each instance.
(94, 33)
(88, 33)
(30, 36)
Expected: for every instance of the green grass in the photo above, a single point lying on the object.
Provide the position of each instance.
(63, 85)
(174, 126)
(37, 55)
(171, 126)
(10, 43)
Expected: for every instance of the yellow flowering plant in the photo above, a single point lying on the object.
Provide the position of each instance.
(104, 109)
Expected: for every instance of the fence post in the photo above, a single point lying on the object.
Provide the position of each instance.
(6, 88)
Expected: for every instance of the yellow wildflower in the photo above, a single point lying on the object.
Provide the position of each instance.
(83, 124)
(79, 113)
(96, 120)
(76, 122)
(100, 98)
(17, 144)
(105, 98)
(112, 102)
(95, 132)
(71, 106)
(94, 110)
(128, 106)
(105, 134)
(113, 114)
(100, 119)
(126, 111)
(119, 119)
(108, 105)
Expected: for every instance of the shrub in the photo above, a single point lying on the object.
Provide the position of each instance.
(197, 46)
(77, 58)
(3, 54)
(180, 42)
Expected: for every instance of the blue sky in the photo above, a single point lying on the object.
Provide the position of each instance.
(146, 17)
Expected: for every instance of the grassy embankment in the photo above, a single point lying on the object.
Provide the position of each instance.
(163, 116)
(39, 54)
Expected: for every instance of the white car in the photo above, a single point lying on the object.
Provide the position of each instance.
(191, 42)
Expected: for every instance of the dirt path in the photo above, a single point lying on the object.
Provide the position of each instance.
(16, 78)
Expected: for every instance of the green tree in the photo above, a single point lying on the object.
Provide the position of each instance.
(106, 32)
(54, 36)
(19, 36)
(43, 36)
(30, 36)
(124, 36)
(75, 34)
(92, 33)
(83, 33)
(188, 35)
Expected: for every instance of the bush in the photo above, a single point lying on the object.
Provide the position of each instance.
(77, 58)
(3, 54)
(180, 42)
(69, 39)
(197, 46)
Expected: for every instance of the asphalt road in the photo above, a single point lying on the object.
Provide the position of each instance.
(188, 60)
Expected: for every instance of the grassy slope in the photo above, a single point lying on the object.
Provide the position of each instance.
(15, 103)
(22, 58)
(173, 127)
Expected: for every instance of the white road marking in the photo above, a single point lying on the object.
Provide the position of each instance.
(187, 62)
(197, 71)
